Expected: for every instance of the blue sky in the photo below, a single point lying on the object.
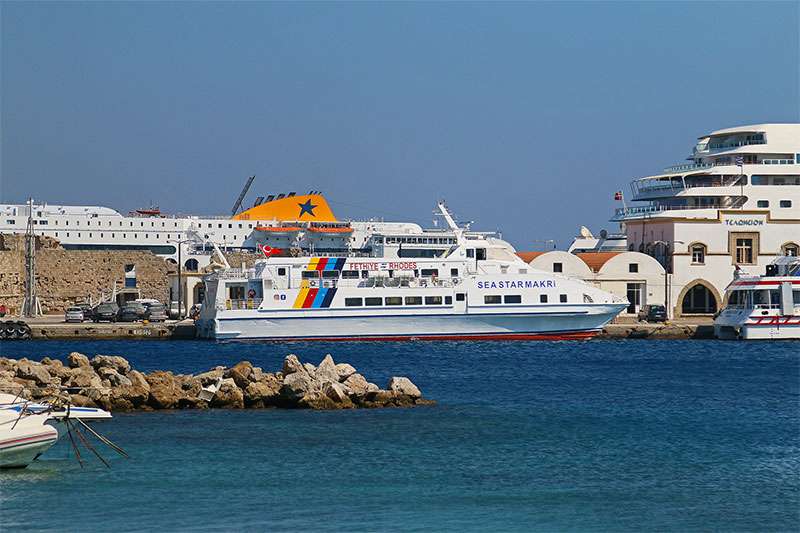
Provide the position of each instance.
(525, 117)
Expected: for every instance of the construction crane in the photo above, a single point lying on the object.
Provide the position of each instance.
(239, 200)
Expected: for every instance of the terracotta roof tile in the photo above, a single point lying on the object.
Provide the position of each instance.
(596, 260)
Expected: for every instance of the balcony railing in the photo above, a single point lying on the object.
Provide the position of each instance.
(688, 167)
(643, 211)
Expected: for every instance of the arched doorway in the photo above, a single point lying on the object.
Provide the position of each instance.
(698, 300)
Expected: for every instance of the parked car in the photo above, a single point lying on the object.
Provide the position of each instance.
(73, 314)
(653, 313)
(105, 312)
(131, 312)
(87, 310)
(156, 312)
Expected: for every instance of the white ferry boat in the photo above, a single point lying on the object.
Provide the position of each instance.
(763, 307)
(476, 289)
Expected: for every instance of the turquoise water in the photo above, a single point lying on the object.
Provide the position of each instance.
(579, 436)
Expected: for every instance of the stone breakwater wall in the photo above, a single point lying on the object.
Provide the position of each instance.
(109, 382)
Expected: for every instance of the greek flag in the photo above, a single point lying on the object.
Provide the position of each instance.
(739, 160)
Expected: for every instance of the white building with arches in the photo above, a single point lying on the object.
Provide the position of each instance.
(734, 206)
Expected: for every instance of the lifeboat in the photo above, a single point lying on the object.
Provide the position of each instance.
(330, 230)
(279, 230)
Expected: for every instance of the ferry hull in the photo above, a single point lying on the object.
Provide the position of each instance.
(455, 327)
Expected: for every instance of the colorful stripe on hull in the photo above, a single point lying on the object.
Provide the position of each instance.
(314, 298)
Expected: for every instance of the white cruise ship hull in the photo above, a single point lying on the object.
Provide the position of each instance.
(579, 323)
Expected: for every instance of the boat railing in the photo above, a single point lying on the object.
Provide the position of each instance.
(249, 303)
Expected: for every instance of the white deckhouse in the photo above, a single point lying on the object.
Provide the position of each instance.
(734, 206)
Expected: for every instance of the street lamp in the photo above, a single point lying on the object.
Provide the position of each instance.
(180, 243)
(671, 250)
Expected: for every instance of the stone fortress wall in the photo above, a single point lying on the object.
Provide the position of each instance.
(66, 277)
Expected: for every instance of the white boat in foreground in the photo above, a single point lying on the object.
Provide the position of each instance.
(16, 404)
(477, 288)
(763, 307)
(23, 438)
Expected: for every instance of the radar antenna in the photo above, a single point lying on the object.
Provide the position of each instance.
(239, 200)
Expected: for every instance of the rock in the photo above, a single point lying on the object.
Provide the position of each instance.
(33, 371)
(120, 364)
(57, 369)
(338, 393)
(357, 384)
(257, 374)
(83, 377)
(262, 393)
(311, 369)
(76, 360)
(296, 386)
(344, 371)
(403, 385)
(229, 395)
(240, 373)
(326, 371)
(165, 391)
(291, 364)
(80, 400)
(8, 364)
(136, 392)
(207, 378)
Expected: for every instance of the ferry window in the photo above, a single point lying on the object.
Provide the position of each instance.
(786, 203)
(249, 226)
(353, 302)
(492, 299)
(11, 221)
(163, 224)
(433, 300)
(141, 224)
(90, 235)
(480, 254)
(67, 234)
(209, 225)
(790, 249)
(365, 274)
(330, 274)
(562, 298)
(101, 235)
(558, 267)
(230, 226)
(453, 272)
(762, 203)
(633, 267)
(281, 271)
(429, 272)
(393, 300)
(372, 301)
(796, 294)
(56, 234)
(448, 300)
(698, 254)
(152, 224)
(460, 296)
(512, 299)
(350, 274)
(413, 300)
(470, 253)
(240, 226)
(219, 226)
(310, 274)
(543, 298)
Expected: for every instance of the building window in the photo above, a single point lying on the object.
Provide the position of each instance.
(762, 203)
(790, 249)
(786, 203)
(698, 254)
(558, 267)
(512, 299)
(744, 247)
(633, 267)
(492, 299)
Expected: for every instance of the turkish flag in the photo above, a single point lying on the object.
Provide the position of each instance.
(618, 196)
(269, 251)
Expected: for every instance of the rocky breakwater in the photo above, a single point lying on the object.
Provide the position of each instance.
(109, 382)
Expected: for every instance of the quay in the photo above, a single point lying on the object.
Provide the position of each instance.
(53, 327)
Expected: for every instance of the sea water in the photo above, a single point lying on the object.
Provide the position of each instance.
(541, 436)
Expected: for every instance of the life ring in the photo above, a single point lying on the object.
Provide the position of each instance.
(251, 293)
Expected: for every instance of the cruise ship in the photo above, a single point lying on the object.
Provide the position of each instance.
(285, 223)
(474, 288)
(731, 208)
